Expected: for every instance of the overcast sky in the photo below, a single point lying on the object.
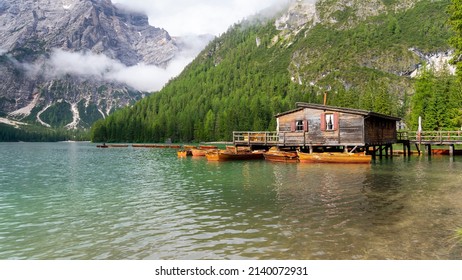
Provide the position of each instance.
(183, 17)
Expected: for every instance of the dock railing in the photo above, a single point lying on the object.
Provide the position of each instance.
(255, 138)
(431, 137)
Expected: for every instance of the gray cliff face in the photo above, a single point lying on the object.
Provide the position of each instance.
(84, 25)
(32, 30)
(303, 15)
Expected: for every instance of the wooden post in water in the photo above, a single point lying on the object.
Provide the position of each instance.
(428, 149)
(451, 150)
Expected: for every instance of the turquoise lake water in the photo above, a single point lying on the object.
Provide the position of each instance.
(75, 201)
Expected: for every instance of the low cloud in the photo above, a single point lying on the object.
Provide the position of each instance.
(88, 65)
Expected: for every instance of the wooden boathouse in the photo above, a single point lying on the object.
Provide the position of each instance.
(314, 128)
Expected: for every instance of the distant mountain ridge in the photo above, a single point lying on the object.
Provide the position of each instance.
(63, 63)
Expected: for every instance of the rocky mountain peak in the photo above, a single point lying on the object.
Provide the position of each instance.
(307, 13)
(84, 25)
(59, 57)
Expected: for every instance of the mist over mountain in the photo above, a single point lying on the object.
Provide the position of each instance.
(67, 63)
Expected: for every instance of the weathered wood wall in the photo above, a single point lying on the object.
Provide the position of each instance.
(348, 130)
(380, 131)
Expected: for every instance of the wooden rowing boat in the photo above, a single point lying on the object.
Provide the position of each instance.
(198, 152)
(276, 155)
(207, 147)
(184, 153)
(188, 147)
(445, 152)
(356, 158)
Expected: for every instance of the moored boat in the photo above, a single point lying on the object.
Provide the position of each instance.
(198, 152)
(355, 158)
(227, 155)
(445, 152)
(189, 147)
(207, 147)
(184, 153)
(276, 155)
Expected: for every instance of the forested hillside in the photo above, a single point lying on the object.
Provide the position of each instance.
(254, 71)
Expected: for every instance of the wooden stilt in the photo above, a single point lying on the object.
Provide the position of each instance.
(428, 149)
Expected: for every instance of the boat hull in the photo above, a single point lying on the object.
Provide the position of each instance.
(350, 158)
(280, 156)
(207, 147)
(184, 153)
(445, 152)
(198, 152)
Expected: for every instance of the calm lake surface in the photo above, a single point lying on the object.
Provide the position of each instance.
(75, 201)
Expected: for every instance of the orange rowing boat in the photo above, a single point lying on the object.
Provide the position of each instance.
(276, 155)
(227, 155)
(334, 158)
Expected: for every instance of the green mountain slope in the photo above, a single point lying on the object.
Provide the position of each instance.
(254, 71)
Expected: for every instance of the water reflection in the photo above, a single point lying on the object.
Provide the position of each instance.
(356, 211)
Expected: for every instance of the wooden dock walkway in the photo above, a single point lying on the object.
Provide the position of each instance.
(256, 138)
(429, 139)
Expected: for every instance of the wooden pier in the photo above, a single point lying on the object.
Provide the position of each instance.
(427, 139)
(423, 141)
(256, 138)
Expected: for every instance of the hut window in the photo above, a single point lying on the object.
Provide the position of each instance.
(330, 122)
(299, 125)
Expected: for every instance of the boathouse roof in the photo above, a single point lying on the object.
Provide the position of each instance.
(365, 113)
